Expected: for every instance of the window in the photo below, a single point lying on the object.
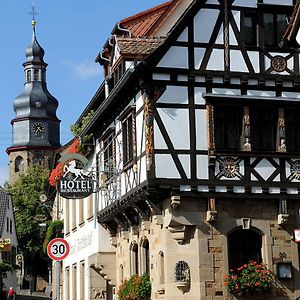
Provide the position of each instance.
(230, 133)
(145, 256)
(82, 281)
(19, 164)
(35, 75)
(7, 224)
(274, 28)
(134, 258)
(119, 71)
(28, 75)
(292, 123)
(228, 127)
(274, 20)
(248, 28)
(161, 267)
(109, 157)
(128, 137)
(74, 282)
(244, 245)
(263, 128)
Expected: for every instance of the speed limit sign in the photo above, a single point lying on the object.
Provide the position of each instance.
(58, 249)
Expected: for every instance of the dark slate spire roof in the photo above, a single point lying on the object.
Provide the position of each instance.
(36, 100)
(34, 52)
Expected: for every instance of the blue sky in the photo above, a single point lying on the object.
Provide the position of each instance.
(71, 33)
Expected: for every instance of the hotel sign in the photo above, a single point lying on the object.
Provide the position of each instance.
(74, 184)
(75, 189)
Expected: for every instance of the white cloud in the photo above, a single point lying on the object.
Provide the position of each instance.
(83, 70)
(3, 174)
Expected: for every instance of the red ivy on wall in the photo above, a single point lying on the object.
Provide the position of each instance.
(58, 171)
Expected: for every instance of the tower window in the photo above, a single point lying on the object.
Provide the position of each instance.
(28, 75)
(19, 165)
(35, 75)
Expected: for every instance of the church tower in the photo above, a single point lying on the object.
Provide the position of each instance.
(35, 128)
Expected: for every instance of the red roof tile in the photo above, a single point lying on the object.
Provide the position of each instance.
(142, 22)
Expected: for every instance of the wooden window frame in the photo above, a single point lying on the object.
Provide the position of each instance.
(128, 136)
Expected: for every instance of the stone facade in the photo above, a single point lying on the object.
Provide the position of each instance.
(204, 246)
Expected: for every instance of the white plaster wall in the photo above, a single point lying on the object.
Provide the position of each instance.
(199, 54)
(159, 142)
(176, 57)
(198, 95)
(201, 130)
(165, 166)
(186, 163)
(140, 138)
(245, 3)
(87, 240)
(237, 62)
(205, 18)
(279, 2)
(176, 122)
(184, 36)
(139, 102)
(174, 94)
(254, 58)
(237, 18)
(216, 60)
(202, 167)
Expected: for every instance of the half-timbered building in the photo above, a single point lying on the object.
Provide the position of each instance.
(197, 147)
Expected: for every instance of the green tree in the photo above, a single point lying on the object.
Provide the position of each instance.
(25, 193)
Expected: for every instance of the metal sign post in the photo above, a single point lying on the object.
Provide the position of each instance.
(58, 249)
(57, 285)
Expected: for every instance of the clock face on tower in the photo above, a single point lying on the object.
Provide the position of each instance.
(38, 128)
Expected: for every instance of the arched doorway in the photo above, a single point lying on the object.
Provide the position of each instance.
(244, 245)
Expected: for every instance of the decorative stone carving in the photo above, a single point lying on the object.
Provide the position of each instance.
(246, 145)
(178, 232)
(246, 223)
(278, 63)
(99, 294)
(229, 167)
(283, 219)
(295, 170)
(211, 215)
(175, 201)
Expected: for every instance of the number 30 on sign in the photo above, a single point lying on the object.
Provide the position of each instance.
(58, 249)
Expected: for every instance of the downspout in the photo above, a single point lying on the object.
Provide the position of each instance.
(123, 29)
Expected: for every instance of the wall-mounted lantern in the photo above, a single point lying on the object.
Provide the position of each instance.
(284, 270)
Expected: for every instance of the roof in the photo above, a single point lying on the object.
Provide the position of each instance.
(142, 22)
(138, 46)
(4, 198)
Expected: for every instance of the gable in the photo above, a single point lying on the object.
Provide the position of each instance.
(210, 37)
